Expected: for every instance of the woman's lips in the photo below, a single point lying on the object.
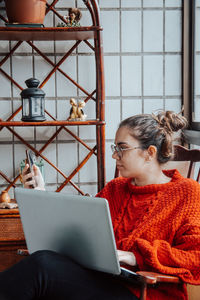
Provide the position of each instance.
(119, 166)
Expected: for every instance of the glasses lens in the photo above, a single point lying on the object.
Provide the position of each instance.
(117, 149)
(113, 148)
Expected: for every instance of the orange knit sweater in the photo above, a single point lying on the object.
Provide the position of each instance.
(160, 224)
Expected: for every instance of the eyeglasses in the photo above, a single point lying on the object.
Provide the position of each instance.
(119, 150)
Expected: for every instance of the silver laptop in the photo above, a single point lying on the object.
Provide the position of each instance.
(77, 226)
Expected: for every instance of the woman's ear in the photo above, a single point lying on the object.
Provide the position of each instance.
(151, 152)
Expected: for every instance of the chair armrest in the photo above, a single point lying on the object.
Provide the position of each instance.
(152, 278)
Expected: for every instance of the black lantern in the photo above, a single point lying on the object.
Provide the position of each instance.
(32, 102)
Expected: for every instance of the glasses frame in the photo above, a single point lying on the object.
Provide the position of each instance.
(119, 150)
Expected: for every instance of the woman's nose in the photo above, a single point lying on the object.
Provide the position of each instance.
(115, 155)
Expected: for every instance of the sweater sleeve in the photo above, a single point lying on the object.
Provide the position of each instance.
(181, 259)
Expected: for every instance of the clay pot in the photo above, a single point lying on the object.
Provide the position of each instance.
(4, 197)
(25, 11)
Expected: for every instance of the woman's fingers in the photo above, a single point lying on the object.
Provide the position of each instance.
(27, 178)
(25, 169)
(36, 170)
(126, 257)
(32, 179)
(29, 184)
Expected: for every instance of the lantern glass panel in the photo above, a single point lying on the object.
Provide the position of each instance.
(26, 109)
(36, 106)
(42, 106)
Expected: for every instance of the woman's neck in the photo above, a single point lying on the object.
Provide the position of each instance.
(155, 176)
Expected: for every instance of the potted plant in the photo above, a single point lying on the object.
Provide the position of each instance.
(25, 11)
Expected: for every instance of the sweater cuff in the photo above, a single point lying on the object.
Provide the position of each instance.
(139, 260)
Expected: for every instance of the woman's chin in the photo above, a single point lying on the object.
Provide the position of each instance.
(123, 174)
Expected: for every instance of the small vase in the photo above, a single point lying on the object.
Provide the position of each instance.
(26, 11)
(4, 197)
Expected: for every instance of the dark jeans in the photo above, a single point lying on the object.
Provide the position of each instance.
(48, 275)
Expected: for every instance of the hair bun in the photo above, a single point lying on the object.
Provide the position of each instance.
(171, 121)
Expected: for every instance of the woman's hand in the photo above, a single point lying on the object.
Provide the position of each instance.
(35, 177)
(127, 257)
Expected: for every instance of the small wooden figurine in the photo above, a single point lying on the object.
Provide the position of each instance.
(76, 113)
(73, 18)
(73, 111)
(80, 112)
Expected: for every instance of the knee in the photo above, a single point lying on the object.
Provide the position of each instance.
(43, 258)
(49, 261)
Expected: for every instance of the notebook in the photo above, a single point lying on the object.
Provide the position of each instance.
(73, 225)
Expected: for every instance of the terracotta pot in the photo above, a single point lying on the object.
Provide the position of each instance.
(4, 197)
(25, 11)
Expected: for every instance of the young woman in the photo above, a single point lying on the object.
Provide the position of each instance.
(156, 220)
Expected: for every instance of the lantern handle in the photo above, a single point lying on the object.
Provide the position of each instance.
(32, 82)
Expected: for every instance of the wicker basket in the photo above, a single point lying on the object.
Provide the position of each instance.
(11, 237)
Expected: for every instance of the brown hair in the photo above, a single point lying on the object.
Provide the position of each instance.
(157, 130)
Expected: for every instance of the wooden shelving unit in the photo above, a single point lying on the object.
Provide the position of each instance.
(14, 238)
(78, 34)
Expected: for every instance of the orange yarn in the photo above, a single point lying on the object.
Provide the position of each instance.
(160, 224)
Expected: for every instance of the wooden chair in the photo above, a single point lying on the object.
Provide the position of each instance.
(184, 160)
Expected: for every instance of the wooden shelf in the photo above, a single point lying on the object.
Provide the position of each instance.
(5, 213)
(48, 33)
(51, 123)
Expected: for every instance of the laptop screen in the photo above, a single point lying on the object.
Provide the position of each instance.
(77, 226)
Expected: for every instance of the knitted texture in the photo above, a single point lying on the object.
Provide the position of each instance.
(160, 224)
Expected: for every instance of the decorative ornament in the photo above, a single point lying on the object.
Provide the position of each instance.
(33, 102)
(73, 111)
(5, 201)
(73, 18)
(76, 112)
(80, 112)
